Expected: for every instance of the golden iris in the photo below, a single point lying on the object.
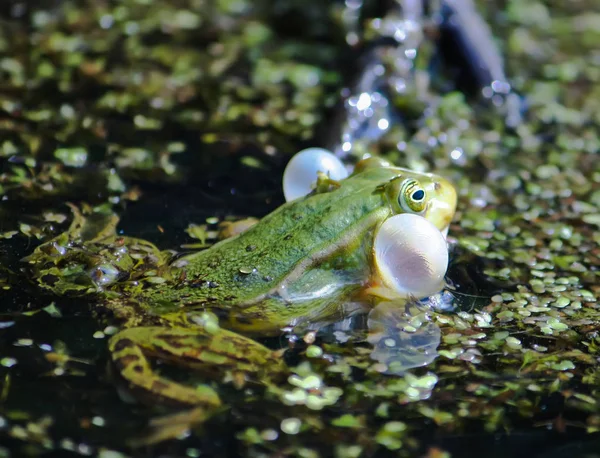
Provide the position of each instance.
(412, 196)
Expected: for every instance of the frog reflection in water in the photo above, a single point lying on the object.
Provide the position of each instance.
(301, 266)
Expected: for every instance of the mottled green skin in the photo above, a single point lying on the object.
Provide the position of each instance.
(267, 277)
(302, 264)
(307, 263)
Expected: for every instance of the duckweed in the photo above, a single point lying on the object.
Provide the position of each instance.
(116, 104)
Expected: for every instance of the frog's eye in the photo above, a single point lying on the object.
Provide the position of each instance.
(412, 197)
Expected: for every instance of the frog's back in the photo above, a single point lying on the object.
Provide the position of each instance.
(261, 262)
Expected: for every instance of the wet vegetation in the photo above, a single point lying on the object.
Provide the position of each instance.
(176, 115)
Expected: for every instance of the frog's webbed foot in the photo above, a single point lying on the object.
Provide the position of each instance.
(211, 350)
(169, 427)
(229, 229)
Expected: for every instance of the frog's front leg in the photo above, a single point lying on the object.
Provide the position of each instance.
(213, 351)
(325, 183)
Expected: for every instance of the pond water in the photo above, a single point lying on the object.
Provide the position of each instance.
(177, 114)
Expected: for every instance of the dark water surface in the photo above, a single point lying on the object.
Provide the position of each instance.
(169, 113)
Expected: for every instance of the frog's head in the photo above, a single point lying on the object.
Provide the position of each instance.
(410, 249)
(424, 194)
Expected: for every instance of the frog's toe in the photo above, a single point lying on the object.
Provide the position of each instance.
(168, 427)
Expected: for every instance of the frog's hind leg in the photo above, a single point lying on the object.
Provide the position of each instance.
(129, 352)
(214, 353)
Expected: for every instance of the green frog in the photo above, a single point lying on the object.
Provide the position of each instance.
(307, 263)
